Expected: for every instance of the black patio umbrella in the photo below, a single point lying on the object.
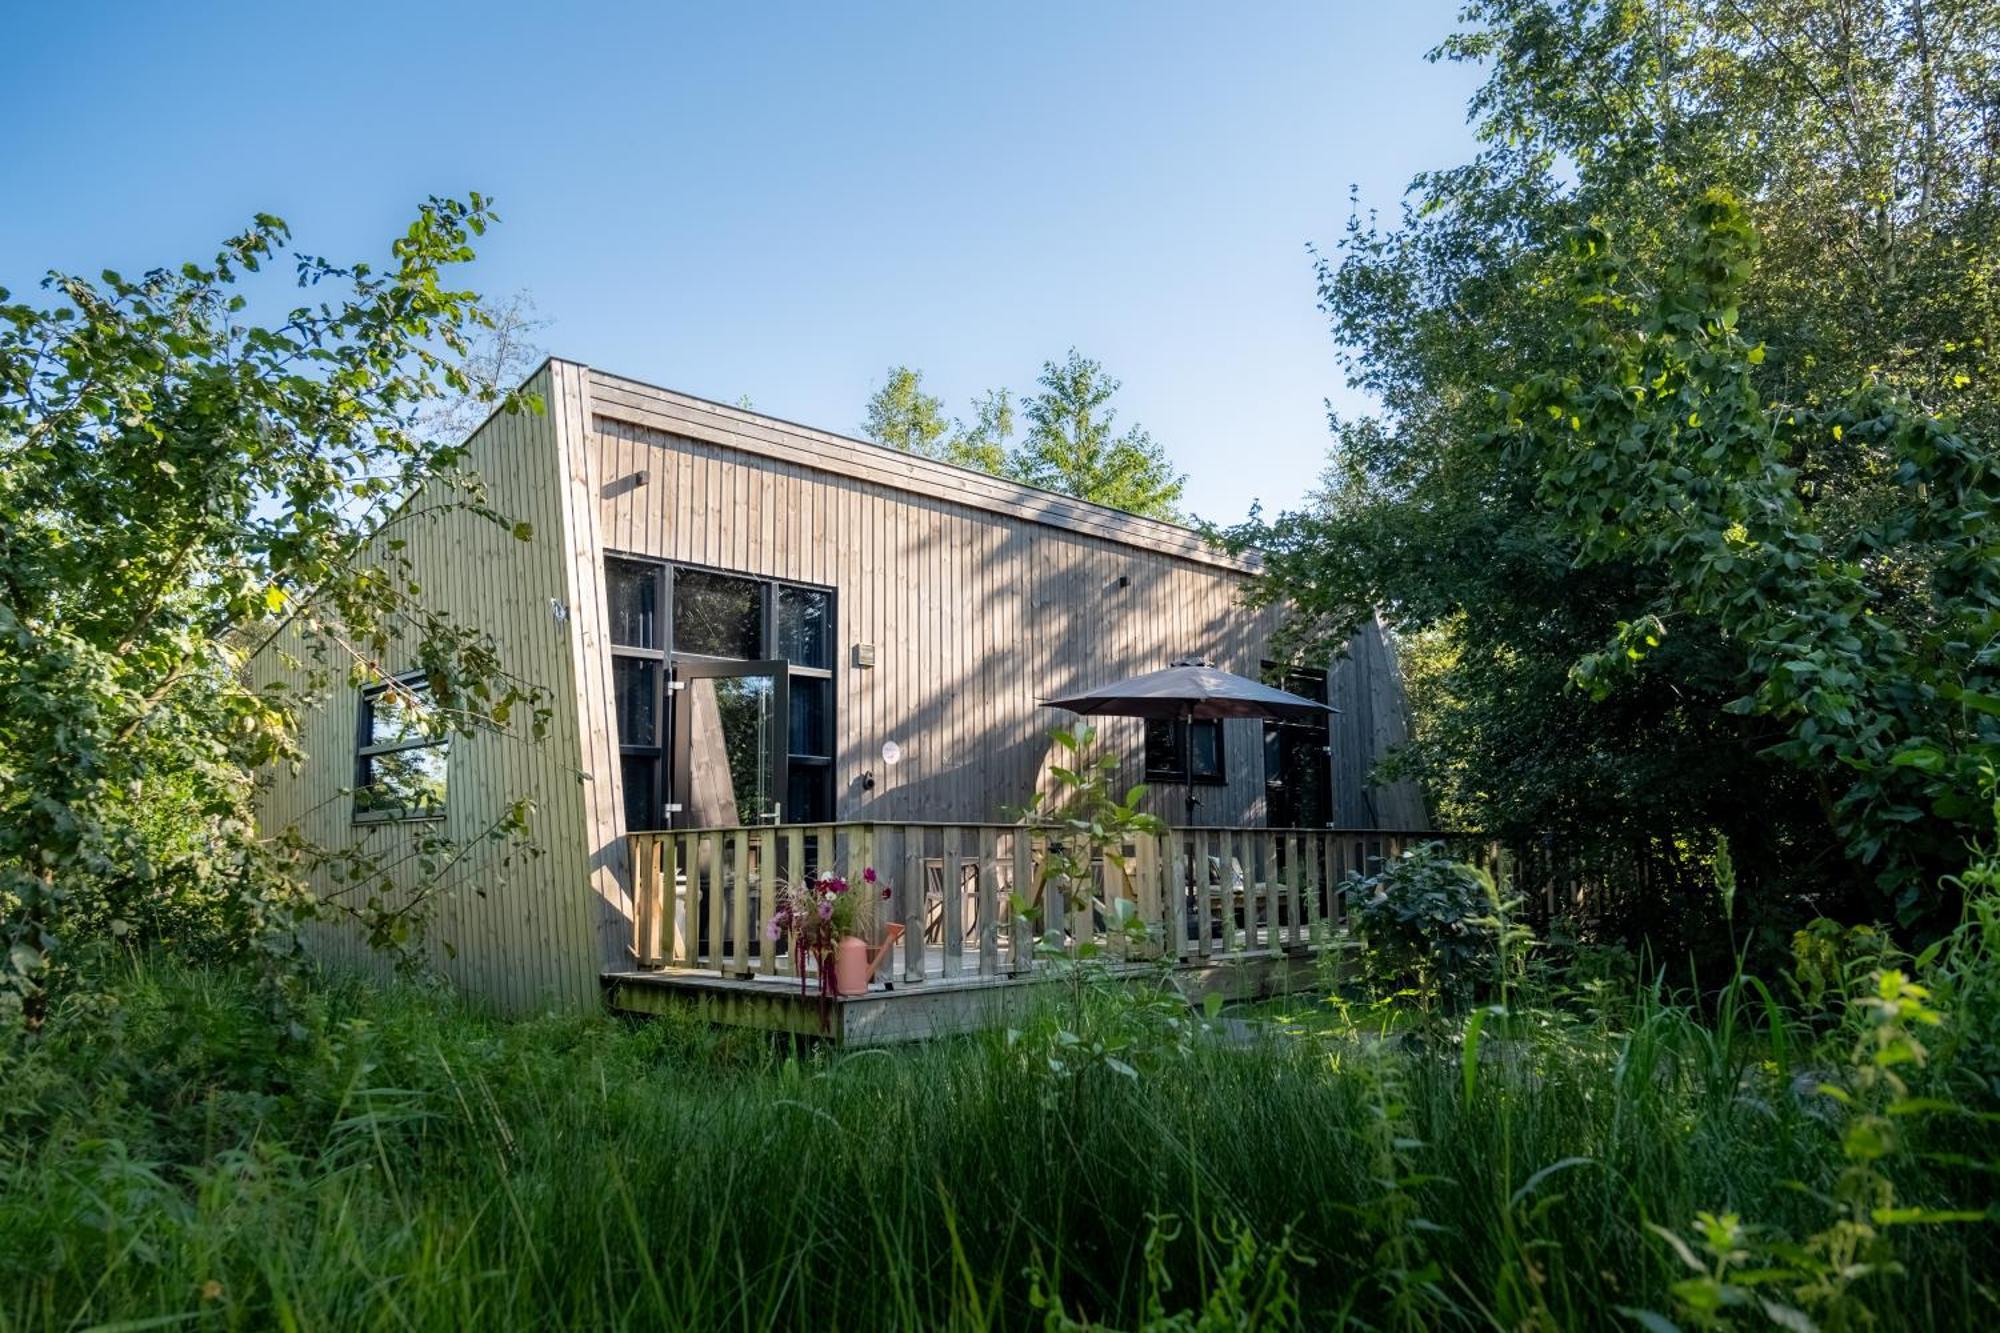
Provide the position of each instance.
(1192, 692)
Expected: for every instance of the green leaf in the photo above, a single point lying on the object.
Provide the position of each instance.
(1650, 1320)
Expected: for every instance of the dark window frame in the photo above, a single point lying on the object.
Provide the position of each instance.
(1175, 773)
(1286, 677)
(666, 654)
(365, 750)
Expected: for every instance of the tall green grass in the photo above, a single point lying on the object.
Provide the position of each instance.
(385, 1159)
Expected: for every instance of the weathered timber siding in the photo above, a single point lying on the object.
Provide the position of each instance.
(981, 598)
(1367, 687)
(531, 934)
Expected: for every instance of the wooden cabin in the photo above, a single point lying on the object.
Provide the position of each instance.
(771, 648)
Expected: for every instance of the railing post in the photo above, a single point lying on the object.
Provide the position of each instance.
(641, 849)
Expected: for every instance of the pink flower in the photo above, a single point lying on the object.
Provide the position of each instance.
(825, 910)
(885, 893)
(869, 874)
(773, 929)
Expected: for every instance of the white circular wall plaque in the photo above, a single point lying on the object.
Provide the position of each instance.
(892, 753)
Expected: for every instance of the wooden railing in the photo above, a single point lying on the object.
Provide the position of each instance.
(983, 900)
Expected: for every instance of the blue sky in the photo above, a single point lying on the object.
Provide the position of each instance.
(783, 200)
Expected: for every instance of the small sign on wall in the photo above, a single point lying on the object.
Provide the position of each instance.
(864, 654)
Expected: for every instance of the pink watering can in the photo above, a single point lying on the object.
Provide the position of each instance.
(854, 967)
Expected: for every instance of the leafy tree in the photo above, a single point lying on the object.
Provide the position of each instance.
(902, 416)
(1070, 447)
(503, 352)
(179, 486)
(1871, 644)
(1862, 137)
(983, 444)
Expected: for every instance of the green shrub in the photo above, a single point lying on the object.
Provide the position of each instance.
(1427, 923)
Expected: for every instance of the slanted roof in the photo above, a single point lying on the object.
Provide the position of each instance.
(648, 405)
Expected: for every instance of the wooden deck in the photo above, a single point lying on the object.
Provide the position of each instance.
(1243, 911)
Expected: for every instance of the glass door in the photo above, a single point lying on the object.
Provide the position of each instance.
(1298, 760)
(729, 742)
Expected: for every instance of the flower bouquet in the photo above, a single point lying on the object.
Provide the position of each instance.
(817, 915)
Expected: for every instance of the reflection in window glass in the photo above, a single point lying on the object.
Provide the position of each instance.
(809, 729)
(1164, 741)
(398, 714)
(633, 591)
(643, 810)
(403, 782)
(809, 794)
(1206, 751)
(716, 615)
(803, 629)
(635, 692)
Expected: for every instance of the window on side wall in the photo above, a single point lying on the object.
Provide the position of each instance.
(1167, 760)
(401, 759)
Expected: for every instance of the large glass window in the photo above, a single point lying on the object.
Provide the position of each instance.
(636, 686)
(633, 593)
(1168, 761)
(402, 757)
(805, 626)
(660, 612)
(812, 711)
(718, 615)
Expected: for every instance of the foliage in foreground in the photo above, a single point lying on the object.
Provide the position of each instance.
(181, 487)
(1494, 528)
(394, 1161)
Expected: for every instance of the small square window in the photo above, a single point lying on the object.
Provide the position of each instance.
(1167, 741)
(402, 761)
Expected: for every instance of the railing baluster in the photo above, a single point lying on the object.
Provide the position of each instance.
(951, 943)
(988, 885)
(1313, 849)
(1146, 893)
(794, 875)
(739, 903)
(1055, 904)
(1021, 893)
(1293, 918)
(1174, 889)
(711, 866)
(1204, 891)
(767, 889)
(915, 907)
(674, 862)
